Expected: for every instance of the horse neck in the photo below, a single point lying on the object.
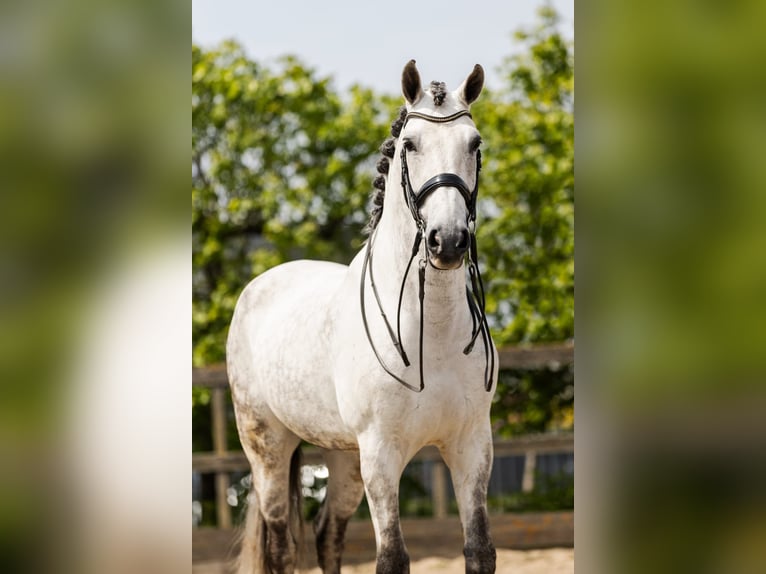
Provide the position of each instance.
(445, 295)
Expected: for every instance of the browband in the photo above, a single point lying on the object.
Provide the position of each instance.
(436, 119)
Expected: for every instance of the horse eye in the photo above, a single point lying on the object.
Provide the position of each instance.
(409, 146)
(475, 143)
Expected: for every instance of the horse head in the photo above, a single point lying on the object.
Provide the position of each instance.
(435, 148)
(439, 153)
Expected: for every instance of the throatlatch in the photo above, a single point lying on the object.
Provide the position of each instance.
(475, 287)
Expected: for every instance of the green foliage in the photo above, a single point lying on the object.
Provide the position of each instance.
(527, 224)
(282, 167)
(533, 401)
(202, 438)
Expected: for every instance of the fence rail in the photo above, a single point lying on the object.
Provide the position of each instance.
(221, 461)
(521, 357)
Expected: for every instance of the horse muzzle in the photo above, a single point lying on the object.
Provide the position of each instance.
(447, 246)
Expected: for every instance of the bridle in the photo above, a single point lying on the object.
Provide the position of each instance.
(475, 288)
(415, 200)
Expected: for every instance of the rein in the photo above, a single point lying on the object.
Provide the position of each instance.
(475, 289)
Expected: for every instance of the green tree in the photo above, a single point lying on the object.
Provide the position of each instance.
(281, 169)
(527, 224)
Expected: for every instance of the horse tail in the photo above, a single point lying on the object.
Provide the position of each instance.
(251, 540)
(251, 537)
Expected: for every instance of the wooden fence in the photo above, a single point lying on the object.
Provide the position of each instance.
(221, 461)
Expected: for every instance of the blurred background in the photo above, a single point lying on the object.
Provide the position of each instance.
(671, 267)
(94, 274)
(95, 248)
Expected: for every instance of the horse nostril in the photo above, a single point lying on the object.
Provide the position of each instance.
(434, 241)
(462, 243)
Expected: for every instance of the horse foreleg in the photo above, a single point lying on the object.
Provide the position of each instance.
(344, 493)
(382, 467)
(470, 464)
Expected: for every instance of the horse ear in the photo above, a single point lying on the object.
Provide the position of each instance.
(470, 89)
(411, 83)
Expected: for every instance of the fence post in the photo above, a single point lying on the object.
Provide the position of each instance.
(528, 478)
(439, 488)
(218, 415)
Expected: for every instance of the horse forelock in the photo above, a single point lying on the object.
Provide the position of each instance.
(438, 92)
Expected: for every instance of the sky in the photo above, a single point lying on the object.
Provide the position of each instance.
(370, 42)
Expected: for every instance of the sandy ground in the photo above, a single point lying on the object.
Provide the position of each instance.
(551, 561)
(435, 545)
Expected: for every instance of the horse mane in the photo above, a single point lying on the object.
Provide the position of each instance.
(438, 92)
(379, 183)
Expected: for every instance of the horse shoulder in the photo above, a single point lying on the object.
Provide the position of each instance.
(281, 313)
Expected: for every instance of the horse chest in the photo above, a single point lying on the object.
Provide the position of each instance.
(453, 400)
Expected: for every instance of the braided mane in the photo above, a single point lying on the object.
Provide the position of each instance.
(379, 183)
